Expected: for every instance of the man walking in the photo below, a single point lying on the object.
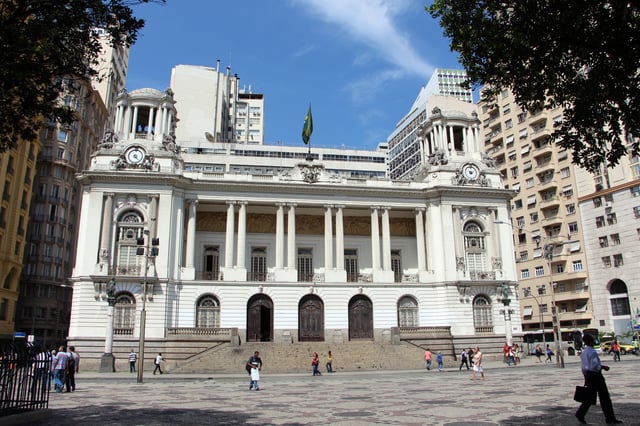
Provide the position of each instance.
(427, 358)
(133, 357)
(254, 365)
(73, 365)
(594, 380)
(158, 360)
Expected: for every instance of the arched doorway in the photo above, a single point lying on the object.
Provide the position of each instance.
(311, 319)
(260, 319)
(360, 318)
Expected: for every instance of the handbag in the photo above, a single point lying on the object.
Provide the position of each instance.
(585, 394)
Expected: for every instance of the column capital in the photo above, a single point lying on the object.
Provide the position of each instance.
(280, 204)
(292, 204)
(420, 209)
(192, 201)
(328, 206)
(110, 194)
(153, 196)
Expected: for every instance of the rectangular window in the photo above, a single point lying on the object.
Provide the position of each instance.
(612, 219)
(527, 166)
(4, 307)
(620, 306)
(573, 227)
(577, 265)
(533, 217)
(615, 239)
(524, 273)
(617, 260)
(351, 265)
(606, 261)
(599, 221)
(524, 255)
(604, 241)
(539, 271)
(636, 212)
(211, 262)
(565, 172)
(258, 264)
(396, 265)
(635, 190)
(571, 208)
(544, 308)
(597, 202)
(514, 172)
(305, 264)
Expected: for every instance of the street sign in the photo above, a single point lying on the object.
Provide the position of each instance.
(19, 335)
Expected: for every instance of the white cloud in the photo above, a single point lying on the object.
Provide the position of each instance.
(303, 51)
(372, 22)
(369, 86)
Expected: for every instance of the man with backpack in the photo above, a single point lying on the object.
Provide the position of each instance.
(73, 363)
(253, 367)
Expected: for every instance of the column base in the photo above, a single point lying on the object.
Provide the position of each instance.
(107, 363)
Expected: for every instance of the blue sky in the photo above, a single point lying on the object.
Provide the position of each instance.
(359, 63)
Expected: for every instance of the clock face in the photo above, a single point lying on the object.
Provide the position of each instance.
(470, 172)
(135, 155)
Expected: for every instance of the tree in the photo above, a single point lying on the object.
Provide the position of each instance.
(581, 55)
(44, 41)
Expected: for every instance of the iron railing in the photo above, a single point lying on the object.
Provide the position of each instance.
(24, 378)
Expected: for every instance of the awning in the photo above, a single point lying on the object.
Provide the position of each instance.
(575, 246)
(527, 312)
(525, 149)
(531, 199)
(509, 139)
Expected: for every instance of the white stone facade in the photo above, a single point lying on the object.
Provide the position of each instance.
(306, 251)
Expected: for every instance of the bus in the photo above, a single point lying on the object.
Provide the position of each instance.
(570, 340)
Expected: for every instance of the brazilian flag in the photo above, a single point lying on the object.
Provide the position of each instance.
(307, 129)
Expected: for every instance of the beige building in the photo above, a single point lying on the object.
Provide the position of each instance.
(610, 208)
(17, 171)
(547, 230)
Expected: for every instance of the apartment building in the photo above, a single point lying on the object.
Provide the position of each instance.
(52, 234)
(548, 232)
(216, 107)
(17, 172)
(609, 203)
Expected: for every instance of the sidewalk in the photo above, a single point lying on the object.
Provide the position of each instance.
(527, 394)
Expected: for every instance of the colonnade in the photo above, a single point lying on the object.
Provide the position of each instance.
(441, 137)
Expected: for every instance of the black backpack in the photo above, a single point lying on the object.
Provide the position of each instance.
(71, 363)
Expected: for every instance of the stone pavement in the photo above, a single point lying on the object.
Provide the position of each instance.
(527, 394)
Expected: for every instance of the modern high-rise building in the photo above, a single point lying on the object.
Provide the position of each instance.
(17, 172)
(216, 243)
(406, 155)
(216, 107)
(548, 231)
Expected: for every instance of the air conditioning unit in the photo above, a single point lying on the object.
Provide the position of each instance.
(608, 205)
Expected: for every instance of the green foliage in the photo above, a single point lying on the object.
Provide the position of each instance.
(43, 41)
(581, 55)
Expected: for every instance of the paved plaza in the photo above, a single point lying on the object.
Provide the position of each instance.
(528, 394)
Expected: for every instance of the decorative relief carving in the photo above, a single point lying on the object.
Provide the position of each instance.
(438, 158)
(211, 221)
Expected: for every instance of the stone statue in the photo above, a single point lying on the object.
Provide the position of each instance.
(111, 288)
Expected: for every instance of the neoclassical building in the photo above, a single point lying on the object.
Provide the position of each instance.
(290, 245)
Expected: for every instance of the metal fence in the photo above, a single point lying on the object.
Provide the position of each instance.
(24, 378)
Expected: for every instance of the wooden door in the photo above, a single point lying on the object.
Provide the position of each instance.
(360, 318)
(311, 319)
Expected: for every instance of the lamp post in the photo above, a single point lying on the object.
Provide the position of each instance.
(548, 254)
(148, 252)
(507, 313)
(540, 287)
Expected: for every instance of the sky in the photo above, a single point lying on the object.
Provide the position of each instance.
(360, 64)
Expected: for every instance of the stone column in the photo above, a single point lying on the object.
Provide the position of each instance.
(375, 240)
(291, 237)
(386, 240)
(135, 123)
(420, 249)
(150, 124)
(279, 236)
(105, 238)
(191, 234)
(339, 238)
(328, 238)
(229, 236)
(242, 233)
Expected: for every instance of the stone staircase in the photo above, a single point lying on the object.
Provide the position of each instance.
(296, 357)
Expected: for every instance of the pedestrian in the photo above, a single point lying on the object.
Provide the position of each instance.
(314, 364)
(593, 379)
(43, 368)
(517, 353)
(329, 362)
(538, 353)
(133, 357)
(60, 369)
(253, 367)
(439, 360)
(615, 348)
(73, 365)
(549, 353)
(511, 357)
(477, 364)
(463, 359)
(505, 353)
(427, 358)
(157, 362)
(470, 356)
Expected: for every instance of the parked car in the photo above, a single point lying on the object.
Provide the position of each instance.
(625, 348)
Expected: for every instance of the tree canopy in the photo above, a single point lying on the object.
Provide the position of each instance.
(581, 55)
(42, 41)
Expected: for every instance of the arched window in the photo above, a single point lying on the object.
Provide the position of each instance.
(482, 314)
(208, 312)
(130, 229)
(124, 314)
(619, 299)
(408, 312)
(474, 247)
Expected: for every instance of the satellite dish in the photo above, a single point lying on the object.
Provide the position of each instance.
(209, 137)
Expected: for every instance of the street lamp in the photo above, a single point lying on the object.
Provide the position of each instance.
(548, 254)
(149, 250)
(507, 313)
(540, 312)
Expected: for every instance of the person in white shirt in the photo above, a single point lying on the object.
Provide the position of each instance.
(159, 359)
(593, 379)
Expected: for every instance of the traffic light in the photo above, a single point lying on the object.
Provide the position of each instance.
(140, 248)
(155, 243)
